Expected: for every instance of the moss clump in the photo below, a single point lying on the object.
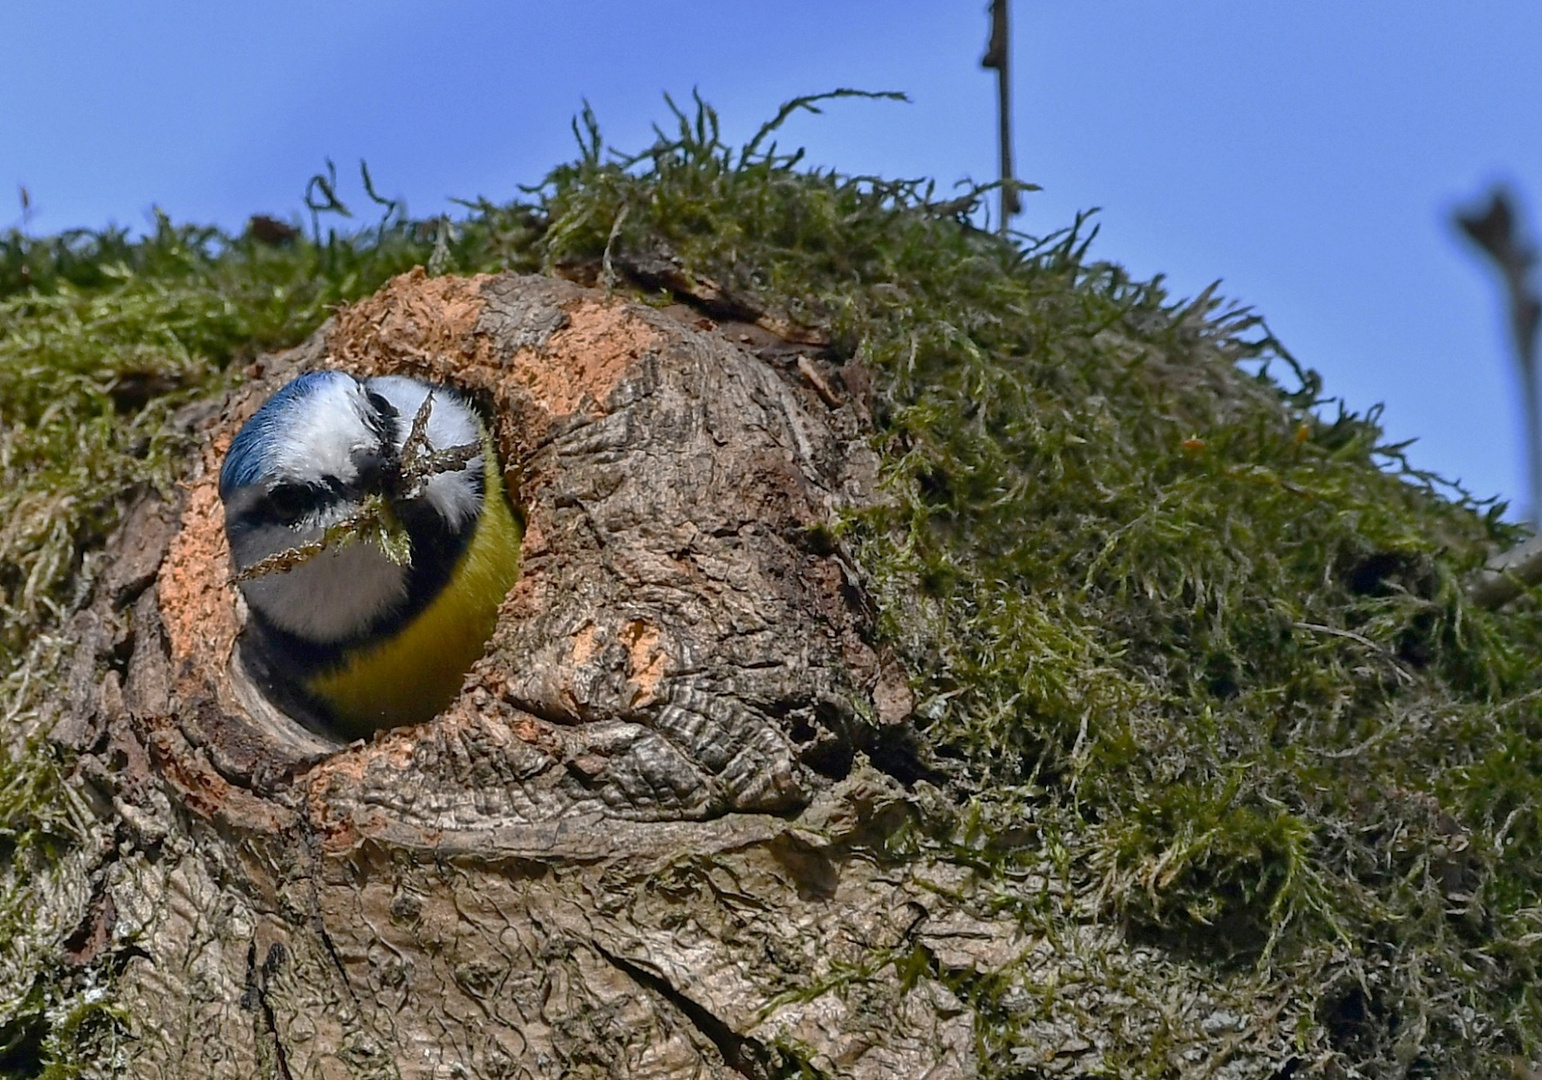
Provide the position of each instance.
(1196, 647)
(104, 341)
(1212, 642)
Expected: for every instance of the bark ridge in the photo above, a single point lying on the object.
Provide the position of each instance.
(646, 841)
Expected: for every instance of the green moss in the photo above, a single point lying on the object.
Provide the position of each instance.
(1212, 640)
(1183, 634)
(103, 340)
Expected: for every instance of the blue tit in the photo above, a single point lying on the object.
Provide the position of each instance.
(350, 640)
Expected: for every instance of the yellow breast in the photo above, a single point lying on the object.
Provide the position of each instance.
(418, 671)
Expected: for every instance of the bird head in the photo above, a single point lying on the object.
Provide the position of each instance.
(310, 460)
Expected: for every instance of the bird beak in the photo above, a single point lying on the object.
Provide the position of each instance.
(379, 470)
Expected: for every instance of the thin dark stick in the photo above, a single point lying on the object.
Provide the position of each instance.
(997, 57)
(1496, 231)
(375, 520)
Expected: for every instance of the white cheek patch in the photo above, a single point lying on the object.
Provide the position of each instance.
(457, 496)
(331, 597)
(323, 433)
(345, 592)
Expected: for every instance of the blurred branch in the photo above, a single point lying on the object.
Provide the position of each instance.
(1496, 232)
(1508, 575)
(997, 58)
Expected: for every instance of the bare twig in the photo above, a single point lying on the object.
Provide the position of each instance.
(1497, 233)
(372, 517)
(997, 57)
(1508, 575)
(417, 435)
(817, 380)
(374, 521)
(419, 463)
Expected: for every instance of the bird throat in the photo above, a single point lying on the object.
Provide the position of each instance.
(415, 671)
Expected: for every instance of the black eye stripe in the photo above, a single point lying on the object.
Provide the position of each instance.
(289, 502)
(382, 406)
(385, 417)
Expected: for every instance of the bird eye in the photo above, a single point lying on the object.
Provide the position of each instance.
(382, 406)
(291, 501)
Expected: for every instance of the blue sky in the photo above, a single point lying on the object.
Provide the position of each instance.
(1306, 153)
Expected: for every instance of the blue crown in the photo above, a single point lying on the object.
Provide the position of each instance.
(247, 460)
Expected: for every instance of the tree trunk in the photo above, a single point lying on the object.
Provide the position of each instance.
(648, 839)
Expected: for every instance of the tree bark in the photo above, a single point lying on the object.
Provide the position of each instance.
(648, 839)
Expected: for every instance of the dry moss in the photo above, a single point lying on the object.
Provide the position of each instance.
(1187, 636)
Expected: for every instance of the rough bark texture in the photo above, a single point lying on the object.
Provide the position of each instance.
(646, 839)
(654, 835)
